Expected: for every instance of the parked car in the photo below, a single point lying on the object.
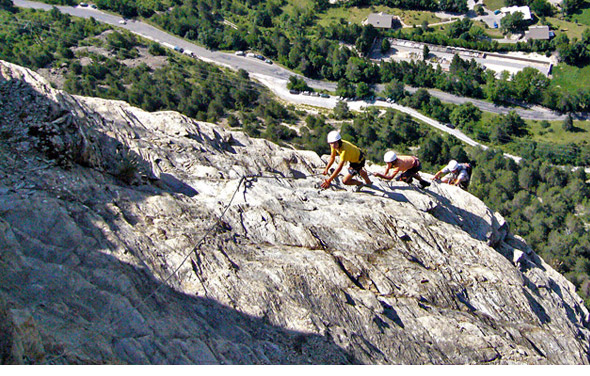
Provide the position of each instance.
(292, 91)
(240, 53)
(83, 4)
(449, 125)
(324, 95)
(305, 92)
(123, 22)
(250, 54)
(268, 61)
(495, 25)
(179, 49)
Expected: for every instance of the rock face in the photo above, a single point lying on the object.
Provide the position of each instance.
(151, 238)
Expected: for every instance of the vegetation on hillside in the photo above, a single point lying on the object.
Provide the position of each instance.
(291, 34)
(38, 39)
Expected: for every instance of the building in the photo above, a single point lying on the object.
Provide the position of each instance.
(381, 20)
(538, 33)
(526, 11)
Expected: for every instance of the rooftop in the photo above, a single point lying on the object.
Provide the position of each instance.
(525, 10)
(537, 32)
(380, 20)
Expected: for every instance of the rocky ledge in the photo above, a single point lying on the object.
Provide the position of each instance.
(151, 238)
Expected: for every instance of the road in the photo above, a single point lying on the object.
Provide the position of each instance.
(255, 66)
(276, 77)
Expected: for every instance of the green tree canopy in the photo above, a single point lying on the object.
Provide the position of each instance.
(465, 115)
(513, 22)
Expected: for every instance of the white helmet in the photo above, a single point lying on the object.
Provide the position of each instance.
(389, 156)
(452, 166)
(334, 136)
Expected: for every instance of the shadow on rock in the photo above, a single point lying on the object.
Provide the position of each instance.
(177, 186)
(476, 226)
(59, 232)
(378, 190)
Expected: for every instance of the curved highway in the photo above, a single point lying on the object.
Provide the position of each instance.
(255, 66)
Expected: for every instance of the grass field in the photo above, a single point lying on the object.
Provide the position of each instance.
(489, 31)
(570, 78)
(494, 4)
(570, 28)
(291, 4)
(358, 15)
(555, 134)
(583, 16)
(414, 17)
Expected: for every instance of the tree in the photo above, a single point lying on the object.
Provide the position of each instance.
(529, 84)
(498, 133)
(569, 7)
(262, 18)
(394, 90)
(498, 90)
(297, 83)
(512, 23)
(458, 6)
(156, 49)
(425, 52)
(541, 8)
(363, 90)
(576, 53)
(345, 89)
(385, 45)
(568, 123)
(460, 27)
(479, 10)
(514, 123)
(341, 110)
(434, 150)
(465, 115)
(7, 5)
(419, 99)
(321, 5)
(365, 40)
(458, 153)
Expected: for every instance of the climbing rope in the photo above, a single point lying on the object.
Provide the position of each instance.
(247, 180)
(167, 279)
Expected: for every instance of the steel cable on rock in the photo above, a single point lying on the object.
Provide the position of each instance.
(163, 282)
(244, 179)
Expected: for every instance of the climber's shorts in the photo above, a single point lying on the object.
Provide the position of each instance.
(412, 171)
(356, 168)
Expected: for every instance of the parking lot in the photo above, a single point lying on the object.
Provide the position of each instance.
(403, 50)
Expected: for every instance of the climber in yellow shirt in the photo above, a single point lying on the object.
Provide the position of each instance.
(347, 153)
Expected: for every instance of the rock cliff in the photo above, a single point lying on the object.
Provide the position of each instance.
(151, 238)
